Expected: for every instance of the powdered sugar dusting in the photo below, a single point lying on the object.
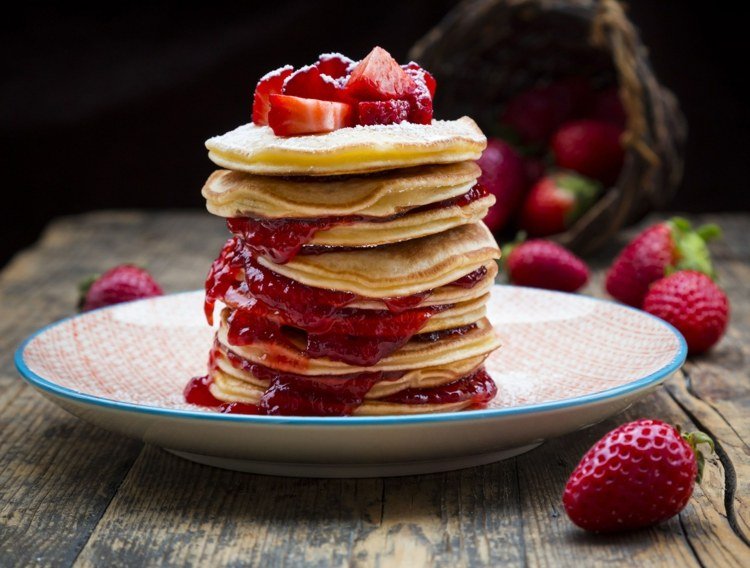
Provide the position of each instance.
(276, 72)
(248, 140)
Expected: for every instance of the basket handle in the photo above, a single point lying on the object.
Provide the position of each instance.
(611, 26)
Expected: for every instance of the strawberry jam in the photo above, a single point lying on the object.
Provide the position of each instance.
(236, 278)
(479, 388)
(197, 392)
(267, 306)
(289, 394)
(282, 239)
(298, 395)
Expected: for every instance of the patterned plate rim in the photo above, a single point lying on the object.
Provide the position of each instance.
(634, 386)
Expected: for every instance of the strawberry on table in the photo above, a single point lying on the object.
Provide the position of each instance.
(637, 475)
(270, 84)
(291, 116)
(692, 303)
(503, 174)
(544, 264)
(658, 250)
(122, 283)
(556, 202)
(591, 148)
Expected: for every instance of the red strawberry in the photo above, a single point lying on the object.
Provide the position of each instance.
(607, 107)
(660, 249)
(122, 283)
(591, 148)
(503, 174)
(535, 169)
(692, 303)
(544, 264)
(290, 116)
(556, 202)
(572, 97)
(334, 65)
(382, 112)
(271, 83)
(379, 77)
(417, 73)
(639, 474)
(531, 115)
(310, 83)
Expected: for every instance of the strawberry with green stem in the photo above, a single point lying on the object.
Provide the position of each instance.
(656, 252)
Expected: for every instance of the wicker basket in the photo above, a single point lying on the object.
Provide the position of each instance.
(485, 51)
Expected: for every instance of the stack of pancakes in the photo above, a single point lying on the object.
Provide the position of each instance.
(390, 218)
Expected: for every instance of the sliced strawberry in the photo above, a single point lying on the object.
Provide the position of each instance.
(382, 112)
(378, 77)
(310, 83)
(334, 65)
(417, 72)
(270, 84)
(296, 115)
(420, 101)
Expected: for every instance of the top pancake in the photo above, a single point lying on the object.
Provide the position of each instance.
(396, 270)
(257, 150)
(237, 194)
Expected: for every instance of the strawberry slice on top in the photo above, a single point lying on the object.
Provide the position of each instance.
(379, 77)
(271, 83)
(334, 65)
(374, 91)
(290, 116)
(311, 83)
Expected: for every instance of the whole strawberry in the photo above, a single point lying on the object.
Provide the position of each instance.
(544, 264)
(655, 252)
(692, 303)
(591, 148)
(639, 474)
(119, 284)
(556, 202)
(504, 175)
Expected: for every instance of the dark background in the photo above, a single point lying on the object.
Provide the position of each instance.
(109, 108)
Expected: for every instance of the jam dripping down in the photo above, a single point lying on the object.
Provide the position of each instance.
(238, 279)
(282, 239)
(289, 394)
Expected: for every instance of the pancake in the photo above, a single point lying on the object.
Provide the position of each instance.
(459, 315)
(414, 355)
(229, 389)
(243, 386)
(407, 227)
(233, 385)
(444, 294)
(236, 194)
(257, 150)
(438, 297)
(395, 270)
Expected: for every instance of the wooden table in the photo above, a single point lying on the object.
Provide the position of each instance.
(72, 494)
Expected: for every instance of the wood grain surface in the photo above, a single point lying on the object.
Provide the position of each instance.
(73, 494)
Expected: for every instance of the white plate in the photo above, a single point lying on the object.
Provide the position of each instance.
(567, 362)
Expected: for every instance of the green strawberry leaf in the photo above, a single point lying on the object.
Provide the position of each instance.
(691, 251)
(585, 192)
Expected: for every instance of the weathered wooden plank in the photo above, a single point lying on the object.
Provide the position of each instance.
(57, 476)
(167, 510)
(57, 473)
